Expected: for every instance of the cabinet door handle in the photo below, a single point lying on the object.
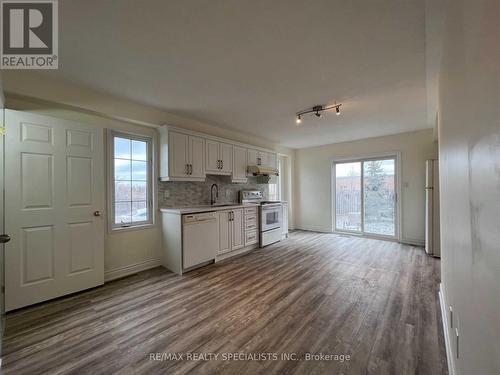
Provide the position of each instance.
(187, 168)
(190, 168)
(222, 164)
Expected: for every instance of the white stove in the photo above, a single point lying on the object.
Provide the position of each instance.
(270, 214)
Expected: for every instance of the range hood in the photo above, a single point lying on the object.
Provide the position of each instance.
(258, 170)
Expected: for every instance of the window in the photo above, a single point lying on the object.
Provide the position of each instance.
(276, 183)
(131, 187)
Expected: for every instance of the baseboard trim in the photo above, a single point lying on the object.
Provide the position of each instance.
(414, 242)
(120, 272)
(446, 332)
(312, 229)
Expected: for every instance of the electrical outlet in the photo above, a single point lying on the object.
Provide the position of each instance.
(166, 194)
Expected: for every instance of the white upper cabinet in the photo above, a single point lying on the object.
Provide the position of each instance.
(212, 160)
(239, 164)
(253, 157)
(178, 154)
(218, 158)
(226, 157)
(182, 156)
(189, 156)
(262, 158)
(196, 157)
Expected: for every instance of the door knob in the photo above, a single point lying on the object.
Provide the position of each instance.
(4, 238)
(97, 213)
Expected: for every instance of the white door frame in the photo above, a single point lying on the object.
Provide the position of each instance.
(358, 158)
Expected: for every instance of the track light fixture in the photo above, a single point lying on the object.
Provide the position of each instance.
(317, 109)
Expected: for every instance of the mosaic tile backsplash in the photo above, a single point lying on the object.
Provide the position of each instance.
(198, 193)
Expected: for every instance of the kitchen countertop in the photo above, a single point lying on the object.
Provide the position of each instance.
(207, 208)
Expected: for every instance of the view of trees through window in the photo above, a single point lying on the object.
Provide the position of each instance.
(365, 197)
(131, 181)
(379, 197)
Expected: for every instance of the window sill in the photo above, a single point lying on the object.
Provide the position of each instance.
(131, 228)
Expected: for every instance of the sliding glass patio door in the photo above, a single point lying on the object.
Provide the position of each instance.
(365, 197)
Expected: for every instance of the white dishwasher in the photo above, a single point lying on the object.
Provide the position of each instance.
(200, 238)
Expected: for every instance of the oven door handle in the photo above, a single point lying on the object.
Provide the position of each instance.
(267, 208)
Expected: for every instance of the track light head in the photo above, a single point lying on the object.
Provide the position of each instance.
(318, 114)
(337, 111)
(299, 120)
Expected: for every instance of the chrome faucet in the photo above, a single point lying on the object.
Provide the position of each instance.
(212, 199)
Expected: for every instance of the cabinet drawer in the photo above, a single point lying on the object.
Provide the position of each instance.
(249, 225)
(251, 237)
(250, 218)
(251, 211)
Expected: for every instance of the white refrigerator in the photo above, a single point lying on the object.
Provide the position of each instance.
(432, 238)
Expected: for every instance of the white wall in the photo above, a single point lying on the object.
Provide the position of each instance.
(312, 176)
(469, 142)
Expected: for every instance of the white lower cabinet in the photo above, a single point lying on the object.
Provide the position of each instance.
(251, 226)
(231, 230)
(224, 232)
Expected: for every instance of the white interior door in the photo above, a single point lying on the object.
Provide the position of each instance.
(54, 191)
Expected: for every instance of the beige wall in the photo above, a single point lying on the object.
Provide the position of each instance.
(312, 176)
(469, 143)
(31, 92)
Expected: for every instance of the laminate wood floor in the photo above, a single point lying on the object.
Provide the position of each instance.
(375, 301)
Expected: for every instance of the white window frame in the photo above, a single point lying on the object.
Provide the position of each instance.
(112, 227)
(396, 155)
(279, 179)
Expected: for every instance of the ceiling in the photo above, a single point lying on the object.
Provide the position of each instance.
(250, 65)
